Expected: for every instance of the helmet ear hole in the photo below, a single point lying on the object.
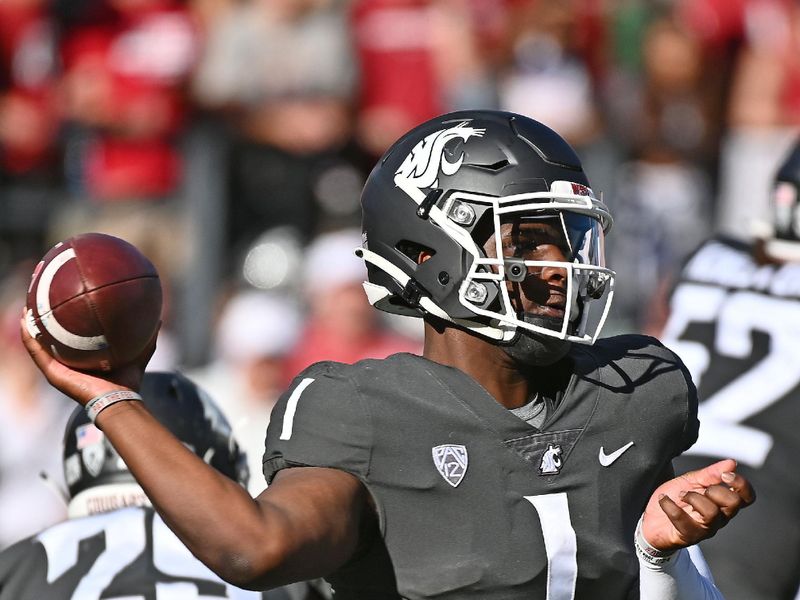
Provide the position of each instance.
(416, 253)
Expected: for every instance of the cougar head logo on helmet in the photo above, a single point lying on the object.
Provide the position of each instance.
(444, 188)
(420, 169)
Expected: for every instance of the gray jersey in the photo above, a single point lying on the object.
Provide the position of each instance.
(128, 553)
(472, 501)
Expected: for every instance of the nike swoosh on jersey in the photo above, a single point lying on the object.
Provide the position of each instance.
(607, 459)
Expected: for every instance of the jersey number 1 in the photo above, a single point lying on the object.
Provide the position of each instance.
(560, 544)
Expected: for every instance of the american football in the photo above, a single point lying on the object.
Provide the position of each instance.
(94, 302)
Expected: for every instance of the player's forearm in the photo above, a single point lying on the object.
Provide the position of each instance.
(213, 516)
(305, 525)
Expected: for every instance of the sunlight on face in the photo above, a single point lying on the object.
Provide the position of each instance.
(543, 291)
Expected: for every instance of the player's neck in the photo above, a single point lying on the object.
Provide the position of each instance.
(483, 361)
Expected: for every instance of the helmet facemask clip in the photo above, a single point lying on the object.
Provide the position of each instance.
(424, 208)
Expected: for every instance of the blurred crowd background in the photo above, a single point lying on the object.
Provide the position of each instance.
(229, 140)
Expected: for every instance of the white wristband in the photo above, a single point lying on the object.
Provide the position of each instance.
(96, 405)
(648, 553)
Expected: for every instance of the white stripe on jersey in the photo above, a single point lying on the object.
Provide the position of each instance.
(291, 407)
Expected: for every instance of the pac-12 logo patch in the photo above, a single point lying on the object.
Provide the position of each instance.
(451, 461)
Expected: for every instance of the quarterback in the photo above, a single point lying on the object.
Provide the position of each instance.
(520, 457)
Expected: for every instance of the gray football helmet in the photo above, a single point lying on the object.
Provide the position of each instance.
(444, 188)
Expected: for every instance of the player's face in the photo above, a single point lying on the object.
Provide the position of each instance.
(543, 292)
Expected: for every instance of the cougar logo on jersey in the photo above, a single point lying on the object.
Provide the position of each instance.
(551, 460)
(451, 461)
(420, 170)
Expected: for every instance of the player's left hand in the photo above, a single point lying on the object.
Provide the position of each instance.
(694, 506)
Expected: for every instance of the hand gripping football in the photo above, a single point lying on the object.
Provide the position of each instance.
(94, 302)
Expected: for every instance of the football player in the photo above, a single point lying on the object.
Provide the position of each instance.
(519, 457)
(735, 321)
(114, 545)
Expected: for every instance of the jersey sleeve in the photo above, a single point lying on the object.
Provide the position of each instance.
(658, 388)
(692, 427)
(320, 421)
(681, 393)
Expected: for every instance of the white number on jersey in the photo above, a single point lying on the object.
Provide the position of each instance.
(125, 541)
(737, 315)
(559, 543)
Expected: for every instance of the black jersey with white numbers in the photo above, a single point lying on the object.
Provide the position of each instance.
(736, 325)
(126, 554)
(472, 501)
